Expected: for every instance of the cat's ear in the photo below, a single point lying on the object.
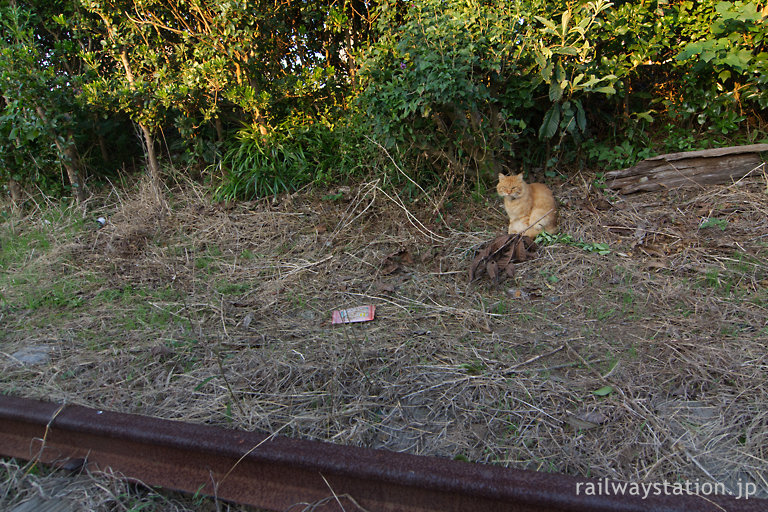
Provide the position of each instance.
(501, 176)
(520, 175)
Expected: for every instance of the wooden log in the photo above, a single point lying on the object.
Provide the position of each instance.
(688, 169)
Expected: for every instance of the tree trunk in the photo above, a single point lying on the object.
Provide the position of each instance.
(102, 143)
(69, 158)
(219, 129)
(72, 165)
(154, 166)
(15, 189)
(149, 143)
(103, 148)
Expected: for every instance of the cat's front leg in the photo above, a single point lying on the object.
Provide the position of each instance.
(516, 227)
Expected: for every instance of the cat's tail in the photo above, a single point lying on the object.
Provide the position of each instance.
(543, 223)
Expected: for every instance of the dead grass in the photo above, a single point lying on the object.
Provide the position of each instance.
(221, 314)
(27, 485)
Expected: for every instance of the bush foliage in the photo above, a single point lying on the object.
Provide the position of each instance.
(274, 96)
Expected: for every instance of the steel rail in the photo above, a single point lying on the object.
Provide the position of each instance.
(278, 473)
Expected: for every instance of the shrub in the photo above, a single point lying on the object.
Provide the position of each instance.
(464, 83)
(288, 158)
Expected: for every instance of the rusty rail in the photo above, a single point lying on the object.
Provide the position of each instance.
(278, 473)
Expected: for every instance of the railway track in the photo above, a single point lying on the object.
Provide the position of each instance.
(280, 473)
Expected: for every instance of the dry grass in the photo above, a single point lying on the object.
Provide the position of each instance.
(221, 314)
(23, 485)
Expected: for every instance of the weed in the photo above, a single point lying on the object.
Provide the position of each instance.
(290, 157)
(550, 277)
(600, 312)
(473, 368)
(619, 156)
(500, 308)
(203, 383)
(297, 300)
(545, 239)
(603, 391)
(226, 288)
(203, 263)
(525, 317)
(333, 197)
(714, 222)
(479, 192)
(722, 281)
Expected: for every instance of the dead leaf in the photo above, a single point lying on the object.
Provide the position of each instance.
(652, 250)
(395, 260)
(517, 293)
(498, 257)
(493, 271)
(389, 266)
(584, 420)
(602, 204)
(657, 265)
(385, 287)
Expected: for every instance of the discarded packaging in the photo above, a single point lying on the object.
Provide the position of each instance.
(358, 314)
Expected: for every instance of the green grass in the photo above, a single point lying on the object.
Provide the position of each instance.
(227, 288)
(600, 312)
(501, 307)
(18, 248)
(39, 289)
(736, 278)
(27, 280)
(545, 239)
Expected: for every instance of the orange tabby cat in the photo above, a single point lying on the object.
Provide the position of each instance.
(527, 205)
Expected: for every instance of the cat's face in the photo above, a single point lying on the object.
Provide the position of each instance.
(510, 185)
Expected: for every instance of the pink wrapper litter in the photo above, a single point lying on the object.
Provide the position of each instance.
(352, 315)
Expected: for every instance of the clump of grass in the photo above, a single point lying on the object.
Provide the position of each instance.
(288, 158)
(545, 238)
(26, 483)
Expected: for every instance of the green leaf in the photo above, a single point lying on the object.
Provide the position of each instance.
(603, 391)
(737, 60)
(555, 91)
(645, 116)
(581, 117)
(724, 75)
(550, 123)
(690, 50)
(606, 89)
(707, 55)
(546, 23)
(723, 7)
(203, 383)
(546, 72)
(566, 18)
(565, 50)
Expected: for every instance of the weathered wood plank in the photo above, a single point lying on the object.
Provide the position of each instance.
(688, 169)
